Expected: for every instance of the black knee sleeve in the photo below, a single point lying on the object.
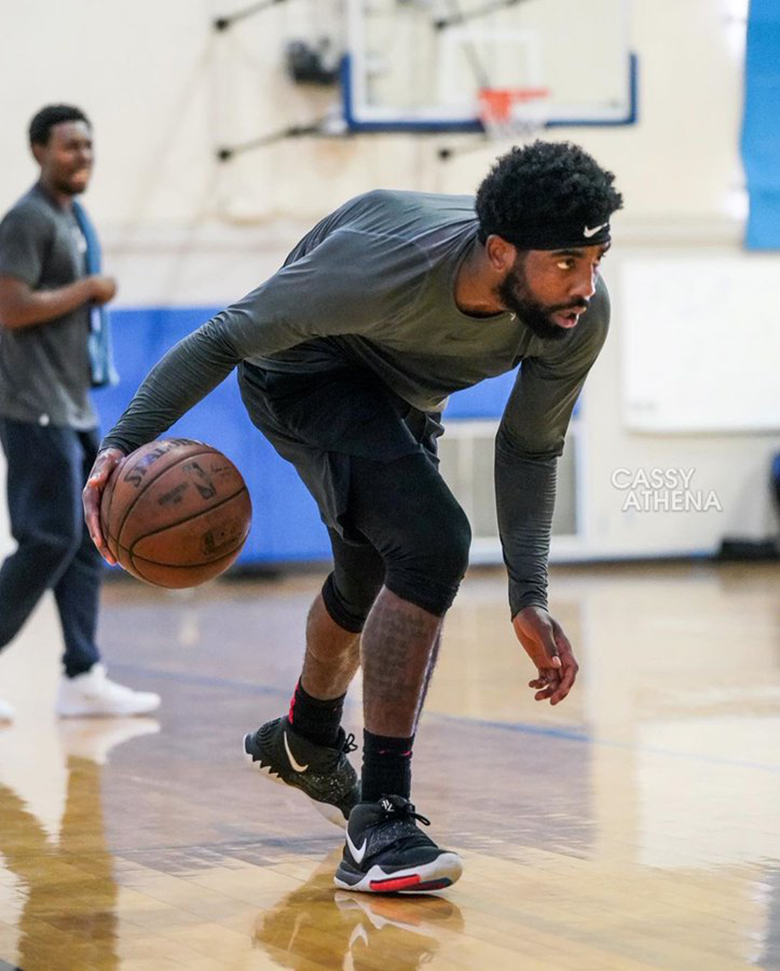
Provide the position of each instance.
(407, 513)
(427, 572)
(348, 613)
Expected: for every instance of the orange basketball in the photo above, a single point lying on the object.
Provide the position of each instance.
(175, 513)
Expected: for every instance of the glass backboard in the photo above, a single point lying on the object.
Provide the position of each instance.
(419, 65)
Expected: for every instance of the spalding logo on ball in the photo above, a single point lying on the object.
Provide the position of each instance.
(175, 513)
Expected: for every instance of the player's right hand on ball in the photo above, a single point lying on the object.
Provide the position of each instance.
(105, 464)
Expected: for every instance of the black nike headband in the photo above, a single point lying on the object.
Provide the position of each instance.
(568, 235)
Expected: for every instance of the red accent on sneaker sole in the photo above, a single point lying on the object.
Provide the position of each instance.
(412, 882)
(396, 883)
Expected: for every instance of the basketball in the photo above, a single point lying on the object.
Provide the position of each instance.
(176, 513)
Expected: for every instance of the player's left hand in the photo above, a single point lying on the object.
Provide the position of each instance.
(549, 649)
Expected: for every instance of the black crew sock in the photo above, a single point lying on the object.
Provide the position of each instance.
(387, 766)
(314, 719)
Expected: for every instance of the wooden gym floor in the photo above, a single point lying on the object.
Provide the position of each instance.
(635, 826)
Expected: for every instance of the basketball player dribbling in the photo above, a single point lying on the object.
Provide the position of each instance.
(346, 357)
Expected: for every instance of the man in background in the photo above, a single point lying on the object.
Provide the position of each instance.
(53, 348)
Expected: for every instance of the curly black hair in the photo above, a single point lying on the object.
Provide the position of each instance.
(42, 124)
(541, 183)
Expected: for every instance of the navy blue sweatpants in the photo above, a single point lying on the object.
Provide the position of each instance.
(47, 468)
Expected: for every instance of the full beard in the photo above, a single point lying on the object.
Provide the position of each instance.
(514, 294)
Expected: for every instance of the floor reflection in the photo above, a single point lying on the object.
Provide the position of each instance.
(634, 827)
(64, 886)
(352, 930)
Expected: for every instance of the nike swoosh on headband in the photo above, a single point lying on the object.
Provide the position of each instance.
(587, 232)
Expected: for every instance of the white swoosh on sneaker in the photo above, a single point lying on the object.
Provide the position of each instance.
(357, 854)
(587, 232)
(296, 765)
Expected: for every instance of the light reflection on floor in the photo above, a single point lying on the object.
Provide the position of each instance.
(635, 826)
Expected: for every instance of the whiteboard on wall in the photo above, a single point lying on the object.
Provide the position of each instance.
(700, 342)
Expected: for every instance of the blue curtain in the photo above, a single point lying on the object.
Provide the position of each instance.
(761, 125)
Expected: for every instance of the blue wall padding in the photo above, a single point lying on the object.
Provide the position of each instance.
(285, 523)
(761, 125)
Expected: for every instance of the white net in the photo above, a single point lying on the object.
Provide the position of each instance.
(515, 114)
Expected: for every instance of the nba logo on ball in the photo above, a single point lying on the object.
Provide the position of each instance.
(176, 513)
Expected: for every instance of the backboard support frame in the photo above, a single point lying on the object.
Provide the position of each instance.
(362, 115)
(357, 124)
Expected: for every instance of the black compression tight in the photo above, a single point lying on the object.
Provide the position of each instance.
(416, 540)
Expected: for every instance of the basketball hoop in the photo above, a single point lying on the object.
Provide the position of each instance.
(508, 113)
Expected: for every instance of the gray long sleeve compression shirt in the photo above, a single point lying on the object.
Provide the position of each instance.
(373, 284)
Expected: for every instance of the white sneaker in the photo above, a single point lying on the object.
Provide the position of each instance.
(6, 712)
(92, 693)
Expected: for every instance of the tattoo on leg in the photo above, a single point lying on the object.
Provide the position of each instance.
(429, 671)
(397, 643)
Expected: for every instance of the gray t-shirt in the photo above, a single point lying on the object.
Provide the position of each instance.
(45, 374)
(373, 284)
